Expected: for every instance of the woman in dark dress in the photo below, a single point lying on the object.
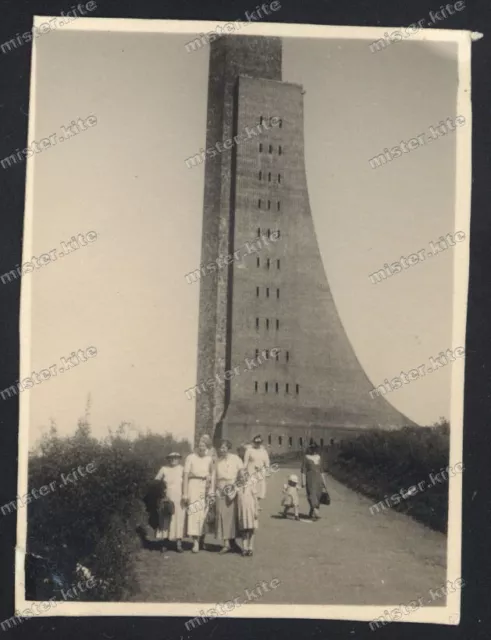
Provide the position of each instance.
(312, 479)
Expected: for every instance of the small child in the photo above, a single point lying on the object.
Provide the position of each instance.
(247, 511)
(290, 497)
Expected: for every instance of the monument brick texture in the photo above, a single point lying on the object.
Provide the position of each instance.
(274, 294)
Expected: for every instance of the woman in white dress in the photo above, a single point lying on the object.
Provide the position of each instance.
(256, 461)
(197, 485)
(172, 476)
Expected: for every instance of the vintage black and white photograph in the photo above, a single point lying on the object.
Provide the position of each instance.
(258, 418)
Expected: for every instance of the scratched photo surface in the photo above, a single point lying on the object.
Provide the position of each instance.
(261, 319)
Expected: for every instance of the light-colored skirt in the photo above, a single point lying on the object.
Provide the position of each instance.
(259, 484)
(247, 511)
(197, 509)
(174, 529)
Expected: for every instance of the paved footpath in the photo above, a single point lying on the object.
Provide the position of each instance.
(348, 557)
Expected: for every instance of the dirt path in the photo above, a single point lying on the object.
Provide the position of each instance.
(348, 557)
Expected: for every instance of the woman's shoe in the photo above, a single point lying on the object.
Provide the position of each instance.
(224, 550)
(250, 553)
(179, 548)
(195, 548)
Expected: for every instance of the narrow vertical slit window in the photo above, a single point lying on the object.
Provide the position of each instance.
(297, 389)
(269, 234)
(257, 292)
(267, 292)
(300, 441)
(269, 205)
(260, 175)
(260, 147)
(259, 203)
(259, 232)
(287, 387)
(257, 352)
(280, 150)
(287, 356)
(279, 178)
(277, 294)
(276, 387)
(269, 176)
(322, 442)
(268, 263)
(261, 120)
(269, 439)
(280, 124)
(280, 440)
(278, 264)
(258, 262)
(277, 355)
(277, 324)
(278, 205)
(270, 148)
(257, 323)
(255, 387)
(267, 323)
(266, 387)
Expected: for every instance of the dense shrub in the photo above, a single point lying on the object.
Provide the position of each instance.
(92, 521)
(380, 463)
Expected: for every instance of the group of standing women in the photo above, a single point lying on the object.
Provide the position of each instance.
(213, 493)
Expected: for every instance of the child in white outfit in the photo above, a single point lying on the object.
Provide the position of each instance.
(290, 497)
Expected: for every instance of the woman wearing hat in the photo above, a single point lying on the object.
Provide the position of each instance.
(312, 478)
(172, 475)
(256, 461)
(227, 468)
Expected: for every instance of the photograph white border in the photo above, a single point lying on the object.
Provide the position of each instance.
(448, 614)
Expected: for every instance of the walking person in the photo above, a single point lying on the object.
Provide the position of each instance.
(197, 486)
(246, 511)
(290, 498)
(172, 475)
(312, 479)
(227, 468)
(256, 461)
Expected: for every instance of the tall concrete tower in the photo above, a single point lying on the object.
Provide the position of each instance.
(276, 295)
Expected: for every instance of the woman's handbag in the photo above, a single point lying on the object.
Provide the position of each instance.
(211, 514)
(325, 497)
(230, 493)
(167, 507)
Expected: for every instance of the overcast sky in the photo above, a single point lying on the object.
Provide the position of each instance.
(126, 179)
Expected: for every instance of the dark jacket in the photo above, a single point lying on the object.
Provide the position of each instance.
(160, 509)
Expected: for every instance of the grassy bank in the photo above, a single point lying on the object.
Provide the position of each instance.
(379, 464)
(89, 517)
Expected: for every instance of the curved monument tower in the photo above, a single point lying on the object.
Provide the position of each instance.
(273, 355)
